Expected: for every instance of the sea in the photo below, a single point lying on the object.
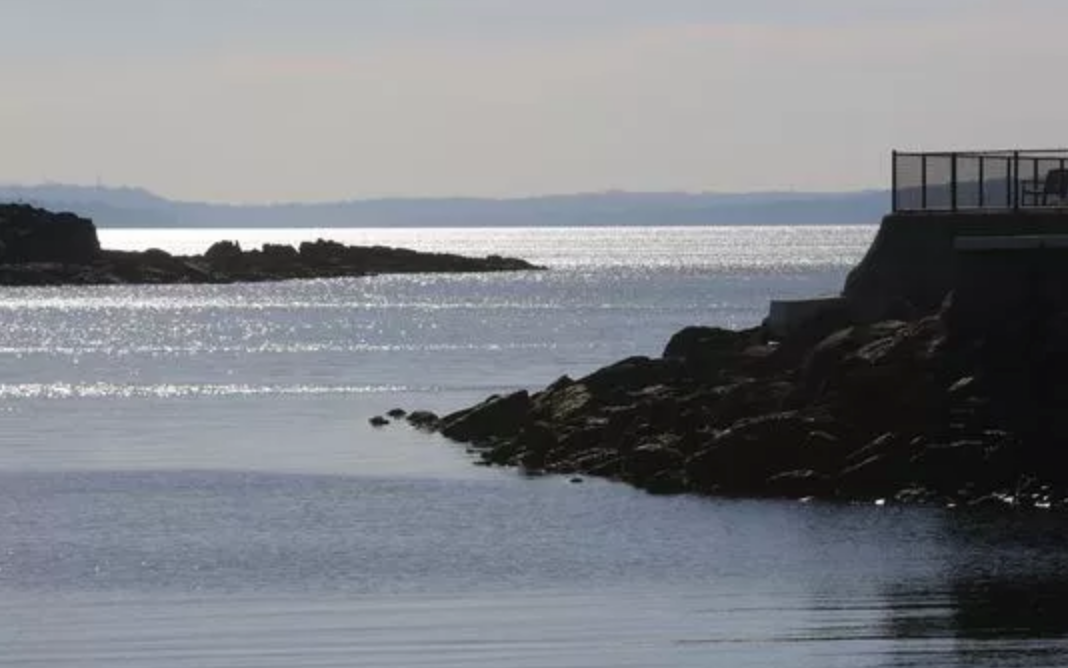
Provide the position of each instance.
(188, 478)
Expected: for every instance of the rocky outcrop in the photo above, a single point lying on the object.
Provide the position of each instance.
(38, 247)
(31, 235)
(908, 410)
(942, 379)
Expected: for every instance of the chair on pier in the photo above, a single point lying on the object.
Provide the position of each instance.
(1055, 185)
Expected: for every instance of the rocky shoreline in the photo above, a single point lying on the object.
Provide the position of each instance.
(960, 406)
(38, 247)
(891, 411)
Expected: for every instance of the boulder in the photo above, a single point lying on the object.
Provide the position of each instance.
(495, 418)
(32, 235)
(423, 420)
(741, 458)
(560, 402)
(729, 403)
(694, 344)
(224, 255)
(711, 351)
(878, 468)
(657, 461)
(322, 252)
(534, 443)
(631, 374)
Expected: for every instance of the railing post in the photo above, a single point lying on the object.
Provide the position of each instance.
(1008, 183)
(923, 181)
(953, 181)
(982, 181)
(1015, 180)
(1034, 181)
(893, 181)
(1060, 185)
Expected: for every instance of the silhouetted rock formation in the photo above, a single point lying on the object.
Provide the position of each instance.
(891, 409)
(960, 402)
(35, 235)
(38, 247)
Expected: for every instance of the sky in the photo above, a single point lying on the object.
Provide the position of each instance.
(310, 100)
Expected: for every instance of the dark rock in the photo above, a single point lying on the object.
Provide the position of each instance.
(650, 462)
(828, 357)
(559, 384)
(740, 459)
(321, 252)
(32, 235)
(378, 421)
(396, 413)
(280, 255)
(560, 402)
(423, 420)
(38, 247)
(504, 452)
(710, 350)
(919, 496)
(805, 335)
(603, 462)
(496, 418)
(949, 466)
(630, 374)
(534, 443)
(224, 255)
(880, 467)
(798, 484)
(730, 403)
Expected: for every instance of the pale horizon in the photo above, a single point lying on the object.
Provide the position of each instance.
(117, 187)
(246, 102)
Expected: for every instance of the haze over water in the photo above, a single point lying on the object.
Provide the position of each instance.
(188, 478)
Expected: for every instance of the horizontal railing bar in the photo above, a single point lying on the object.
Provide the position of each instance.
(1036, 152)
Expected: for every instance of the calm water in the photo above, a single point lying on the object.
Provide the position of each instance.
(187, 478)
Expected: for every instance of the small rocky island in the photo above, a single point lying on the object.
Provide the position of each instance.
(39, 247)
(937, 377)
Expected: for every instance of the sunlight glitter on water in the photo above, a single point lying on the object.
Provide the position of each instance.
(117, 391)
(734, 247)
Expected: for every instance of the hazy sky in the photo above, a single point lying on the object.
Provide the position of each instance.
(269, 100)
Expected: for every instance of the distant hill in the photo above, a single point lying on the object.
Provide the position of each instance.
(134, 207)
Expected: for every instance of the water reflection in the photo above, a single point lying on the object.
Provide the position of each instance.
(1002, 599)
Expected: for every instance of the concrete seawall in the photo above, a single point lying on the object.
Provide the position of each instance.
(914, 260)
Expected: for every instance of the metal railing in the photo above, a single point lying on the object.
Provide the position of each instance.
(977, 180)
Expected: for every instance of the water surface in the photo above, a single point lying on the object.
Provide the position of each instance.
(188, 478)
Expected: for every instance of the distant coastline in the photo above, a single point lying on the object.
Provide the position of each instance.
(134, 207)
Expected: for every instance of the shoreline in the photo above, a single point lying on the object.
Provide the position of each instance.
(723, 413)
(937, 382)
